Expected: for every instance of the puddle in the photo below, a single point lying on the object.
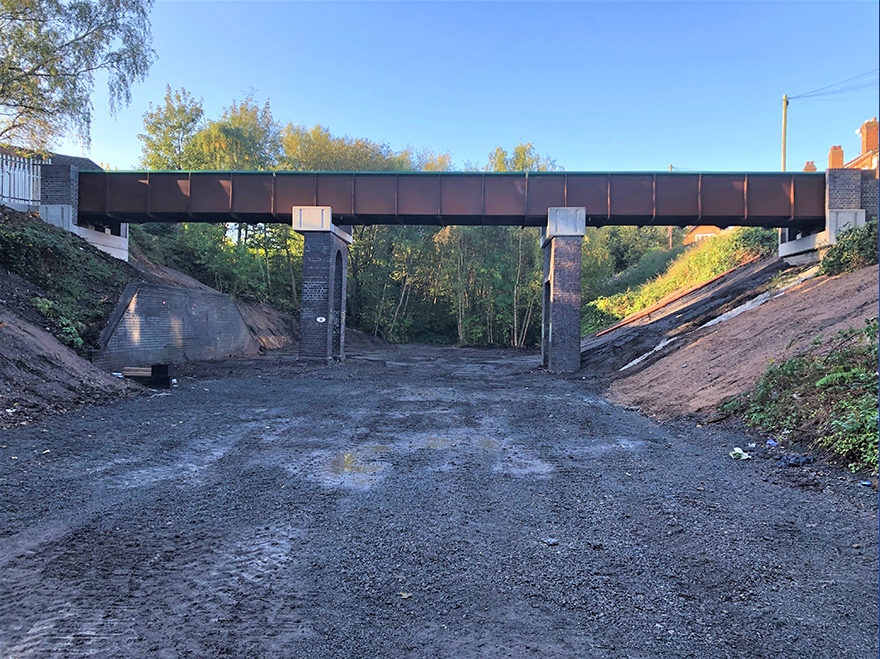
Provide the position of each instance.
(433, 442)
(488, 444)
(350, 463)
(619, 444)
(356, 469)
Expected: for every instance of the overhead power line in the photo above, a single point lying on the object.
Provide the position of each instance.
(865, 80)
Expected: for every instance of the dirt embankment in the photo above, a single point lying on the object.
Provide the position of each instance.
(706, 366)
(37, 373)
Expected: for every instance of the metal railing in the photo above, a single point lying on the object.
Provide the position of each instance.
(19, 180)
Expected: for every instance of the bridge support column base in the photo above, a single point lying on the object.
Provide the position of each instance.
(324, 281)
(561, 317)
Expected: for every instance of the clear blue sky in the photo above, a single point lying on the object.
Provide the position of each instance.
(597, 86)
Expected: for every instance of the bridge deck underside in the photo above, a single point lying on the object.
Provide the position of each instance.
(472, 198)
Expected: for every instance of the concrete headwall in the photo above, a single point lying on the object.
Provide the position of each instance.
(59, 201)
(61, 215)
(155, 324)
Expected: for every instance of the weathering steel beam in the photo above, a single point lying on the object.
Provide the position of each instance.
(470, 198)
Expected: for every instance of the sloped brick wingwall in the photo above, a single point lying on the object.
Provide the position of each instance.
(155, 324)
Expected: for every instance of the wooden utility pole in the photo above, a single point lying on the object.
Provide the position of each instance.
(784, 123)
(669, 228)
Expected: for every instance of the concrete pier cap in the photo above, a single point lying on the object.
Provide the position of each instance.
(565, 221)
(317, 218)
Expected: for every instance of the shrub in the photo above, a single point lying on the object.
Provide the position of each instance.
(855, 248)
(80, 285)
(828, 397)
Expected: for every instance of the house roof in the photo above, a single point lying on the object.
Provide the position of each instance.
(867, 158)
(75, 161)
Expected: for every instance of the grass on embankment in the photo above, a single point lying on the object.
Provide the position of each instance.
(828, 395)
(700, 263)
(80, 284)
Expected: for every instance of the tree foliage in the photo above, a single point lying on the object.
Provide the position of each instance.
(245, 137)
(50, 51)
(168, 140)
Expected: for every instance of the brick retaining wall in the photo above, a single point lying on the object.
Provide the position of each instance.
(155, 324)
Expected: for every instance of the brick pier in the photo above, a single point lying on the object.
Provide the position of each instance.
(324, 283)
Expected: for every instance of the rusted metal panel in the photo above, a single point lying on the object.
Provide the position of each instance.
(809, 196)
(128, 194)
(544, 192)
(632, 195)
(589, 191)
(210, 194)
(677, 196)
(169, 192)
(336, 191)
(505, 196)
(418, 195)
(92, 191)
(252, 194)
(294, 190)
(374, 195)
(769, 196)
(723, 196)
(461, 196)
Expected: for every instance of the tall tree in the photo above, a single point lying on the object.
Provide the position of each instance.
(246, 137)
(50, 51)
(316, 149)
(170, 130)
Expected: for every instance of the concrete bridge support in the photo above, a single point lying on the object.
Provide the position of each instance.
(561, 317)
(324, 281)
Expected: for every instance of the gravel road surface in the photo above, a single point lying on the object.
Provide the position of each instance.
(420, 502)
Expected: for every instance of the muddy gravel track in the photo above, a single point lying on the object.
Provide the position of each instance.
(424, 502)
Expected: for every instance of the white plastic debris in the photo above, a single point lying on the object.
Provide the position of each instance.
(738, 454)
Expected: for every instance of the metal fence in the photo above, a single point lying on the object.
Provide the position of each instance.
(19, 180)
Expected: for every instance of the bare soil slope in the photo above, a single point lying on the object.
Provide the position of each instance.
(604, 355)
(710, 365)
(40, 375)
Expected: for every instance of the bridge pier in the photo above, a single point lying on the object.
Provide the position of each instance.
(561, 308)
(324, 282)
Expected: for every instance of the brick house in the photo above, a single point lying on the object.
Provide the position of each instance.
(700, 232)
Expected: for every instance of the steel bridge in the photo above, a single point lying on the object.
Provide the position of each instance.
(790, 200)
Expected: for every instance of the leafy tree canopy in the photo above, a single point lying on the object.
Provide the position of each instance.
(50, 51)
(246, 137)
(523, 159)
(169, 131)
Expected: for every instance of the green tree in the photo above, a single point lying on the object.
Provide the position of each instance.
(170, 130)
(523, 159)
(246, 137)
(316, 149)
(50, 51)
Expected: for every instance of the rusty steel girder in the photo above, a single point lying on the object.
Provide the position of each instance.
(471, 198)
